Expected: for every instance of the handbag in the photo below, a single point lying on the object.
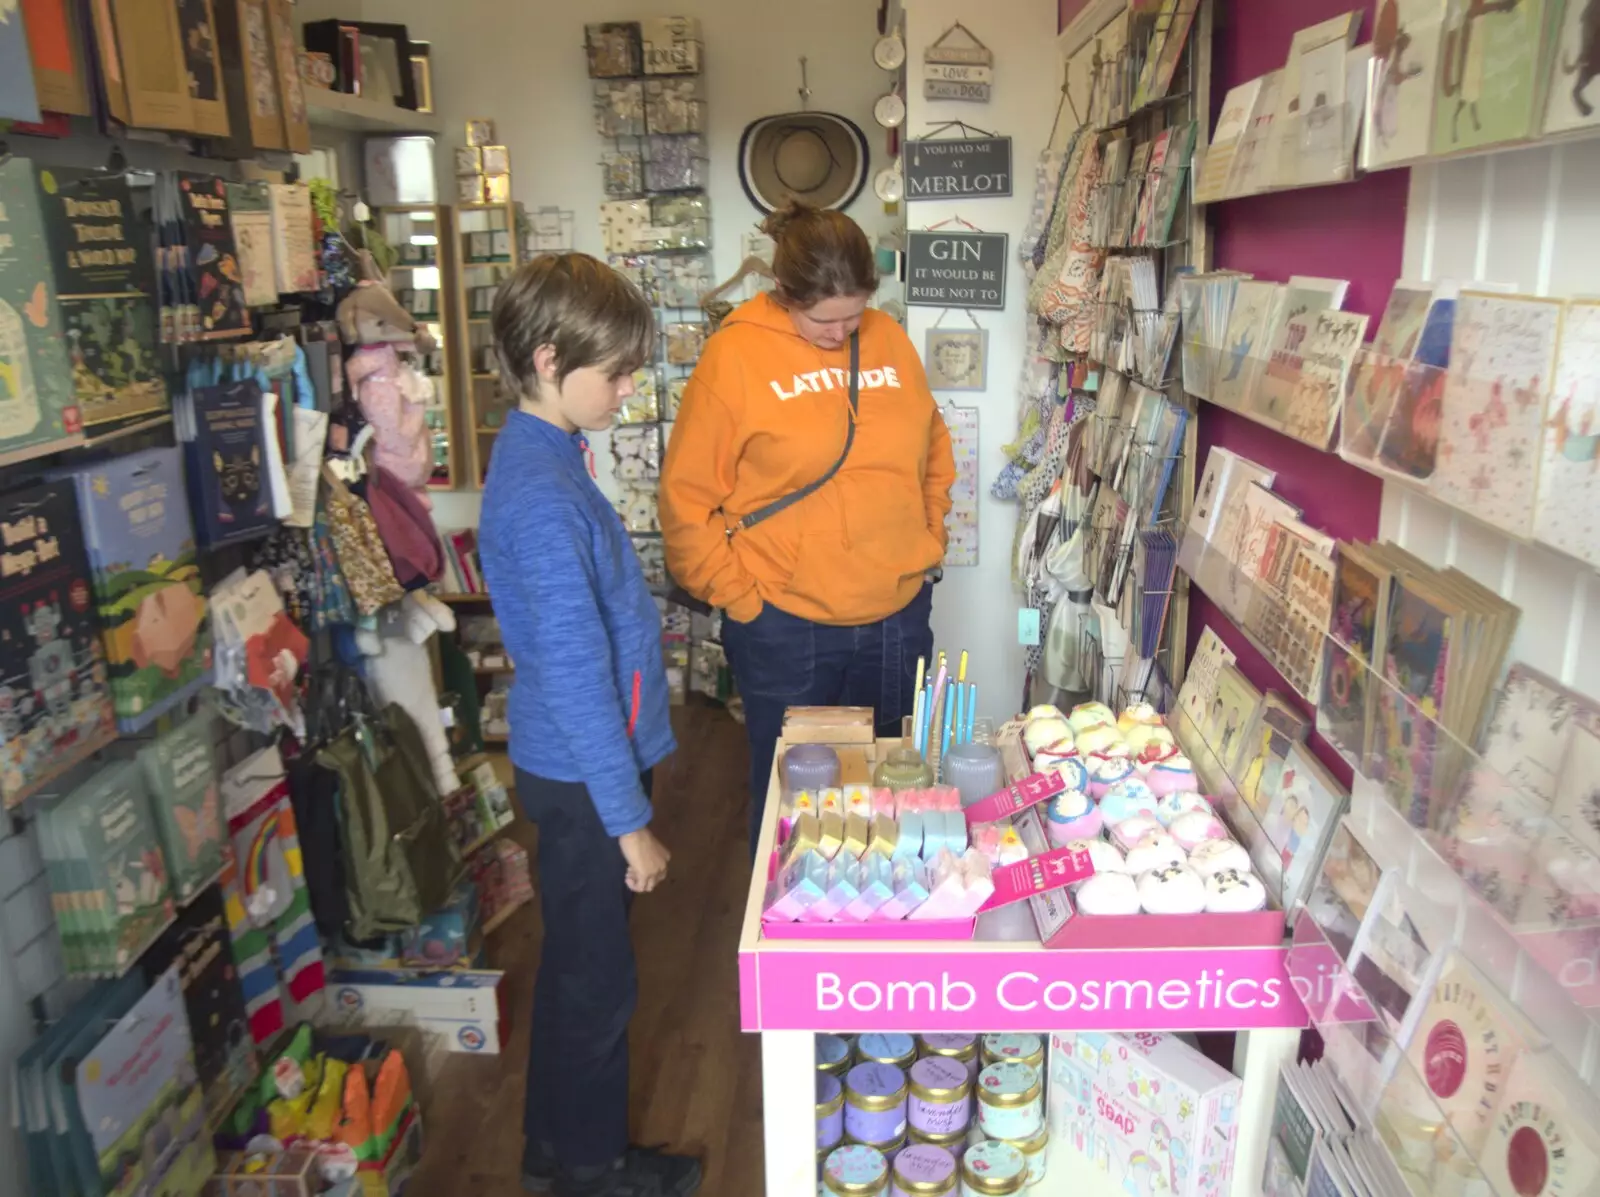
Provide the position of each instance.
(356, 542)
(682, 597)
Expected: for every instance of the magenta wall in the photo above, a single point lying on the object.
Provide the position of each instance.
(1356, 232)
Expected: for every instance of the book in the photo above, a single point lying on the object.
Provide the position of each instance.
(1410, 443)
(53, 691)
(1380, 369)
(250, 213)
(181, 777)
(19, 100)
(1256, 309)
(1286, 344)
(1318, 397)
(105, 284)
(294, 252)
(214, 277)
(1406, 43)
(227, 454)
(148, 594)
(1300, 822)
(1238, 107)
(1490, 90)
(1502, 360)
(1569, 449)
(38, 411)
(1574, 101)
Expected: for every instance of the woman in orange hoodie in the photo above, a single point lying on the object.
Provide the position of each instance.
(827, 598)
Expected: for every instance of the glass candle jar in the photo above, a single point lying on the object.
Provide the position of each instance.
(1033, 1150)
(833, 1054)
(1010, 1100)
(888, 1047)
(954, 1144)
(830, 1111)
(940, 1102)
(855, 1171)
(810, 767)
(924, 1171)
(975, 770)
(903, 769)
(961, 1048)
(875, 1103)
(1023, 1047)
(890, 1151)
(993, 1169)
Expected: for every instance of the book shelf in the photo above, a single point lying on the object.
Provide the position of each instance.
(487, 250)
(423, 279)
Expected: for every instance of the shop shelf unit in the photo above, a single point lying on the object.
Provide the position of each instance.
(488, 249)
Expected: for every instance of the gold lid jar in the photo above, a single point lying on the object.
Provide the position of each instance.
(951, 1143)
(994, 1169)
(855, 1171)
(1021, 1046)
(1008, 1084)
(887, 1047)
(956, 1047)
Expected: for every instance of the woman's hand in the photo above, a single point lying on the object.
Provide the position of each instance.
(647, 859)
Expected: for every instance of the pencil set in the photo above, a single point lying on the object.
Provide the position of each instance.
(946, 706)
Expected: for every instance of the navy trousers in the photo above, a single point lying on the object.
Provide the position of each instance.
(780, 661)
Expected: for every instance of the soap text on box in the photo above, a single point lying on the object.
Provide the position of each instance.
(950, 269)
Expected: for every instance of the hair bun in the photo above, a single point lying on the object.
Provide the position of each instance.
(792, 212)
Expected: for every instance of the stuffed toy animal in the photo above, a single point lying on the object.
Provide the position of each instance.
(399, 671)
(392, 393)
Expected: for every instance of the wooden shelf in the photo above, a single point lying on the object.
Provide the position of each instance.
(336, 110)
(501, 916)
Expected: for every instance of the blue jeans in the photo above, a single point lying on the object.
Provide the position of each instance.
(781, 661)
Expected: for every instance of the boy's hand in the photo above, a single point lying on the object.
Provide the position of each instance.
(647, 859)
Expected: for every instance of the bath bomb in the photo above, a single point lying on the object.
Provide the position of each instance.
(1102, 737)
(1193, 829)
(1153, 753)
(1179, 803)
(1109, 893)
(1171, 775)
(1127, 798)
(1073, 816)
(1157, 850)
(1054, 755)
(1089, 714)
(1105, 772)
(1135, 715)
(1145, 734)
(1071, 772)
(1043, 711)
(1176, 889)
(1228, 891)
(1214, 856)
(1130, 831)
(1104, 857)
(1041, 733)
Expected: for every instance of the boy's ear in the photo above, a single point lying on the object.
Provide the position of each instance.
(545, 363)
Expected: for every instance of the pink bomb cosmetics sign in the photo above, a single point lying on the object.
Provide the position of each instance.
(939, 990)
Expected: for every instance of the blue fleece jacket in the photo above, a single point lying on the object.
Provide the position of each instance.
(589, 702)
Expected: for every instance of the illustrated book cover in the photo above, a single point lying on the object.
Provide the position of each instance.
(250, 213)
(180, 772)
(213, 257)
(229, 488)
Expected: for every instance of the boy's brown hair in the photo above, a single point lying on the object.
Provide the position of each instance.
(585, 310)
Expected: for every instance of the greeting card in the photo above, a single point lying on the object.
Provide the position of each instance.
(1256, 310)
(1545, 1139)
(1410, 444)
(1406, 43)
(1489, 80)
(1381, 369)
(1567, 512)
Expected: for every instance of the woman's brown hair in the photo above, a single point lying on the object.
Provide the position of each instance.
(819, 254)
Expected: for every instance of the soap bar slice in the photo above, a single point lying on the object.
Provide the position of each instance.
(876, 886)
(856, 833)
(910, 890)
(803, 837)
(831, 837)
(792, 893)
(885, 837)
(910, 846)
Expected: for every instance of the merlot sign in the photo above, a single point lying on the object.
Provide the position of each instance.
(947, 268)
(968, 167)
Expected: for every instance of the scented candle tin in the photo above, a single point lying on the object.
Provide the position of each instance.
(889, 1047)
(833, 1054)
(1011, 1100)
(830, 1111)
(855, 1170)
(1029, 1049)
(890, 1151)
(954, 1047)
(1033, 1150)
(924, 1171)
(955, 1144)
(940, 1102)
(993, 1169)
(875, 1103)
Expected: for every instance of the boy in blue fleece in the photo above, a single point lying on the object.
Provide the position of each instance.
(588, 712)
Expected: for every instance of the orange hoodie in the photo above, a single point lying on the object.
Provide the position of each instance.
(764, 415)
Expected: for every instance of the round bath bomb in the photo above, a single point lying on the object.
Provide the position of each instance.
(1127, 798)
(1088, 714)
(1213, 856)
(1228, 891)
(1130, 831)
(1043, 711)
(1193, 829)
(1153, 753)
(1146, 734)
(1070, 771)
(1102, 737)
(1105, 772)
(1135, 715)
(1171, 775)
(1175, 889)
(1158, 850)
(1073, 816)
(1108, 893)
(1041, 733)
(1104, 857)
(1179, 803)
(1053, 756)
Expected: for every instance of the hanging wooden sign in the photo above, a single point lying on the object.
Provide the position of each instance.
(957, 66)
(946, 268)
(937, 167)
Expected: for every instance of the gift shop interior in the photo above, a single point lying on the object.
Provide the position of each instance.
(1262, 857)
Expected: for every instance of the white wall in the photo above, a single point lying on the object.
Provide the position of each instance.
(975, 607)
(1527, 218)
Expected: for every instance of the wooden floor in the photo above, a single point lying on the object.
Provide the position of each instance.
(696, 1079)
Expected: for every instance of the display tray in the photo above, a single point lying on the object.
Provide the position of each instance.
(904, 931)
(1257, 929)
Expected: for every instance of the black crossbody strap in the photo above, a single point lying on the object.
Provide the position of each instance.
(788, 501)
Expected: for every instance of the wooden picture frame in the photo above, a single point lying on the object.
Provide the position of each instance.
(957, 359)
(55, 46)
(208, 94)
(153, 68)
